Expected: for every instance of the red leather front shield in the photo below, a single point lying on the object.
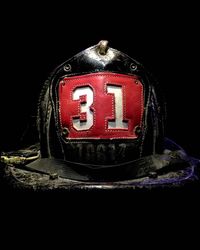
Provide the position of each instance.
(101, 106)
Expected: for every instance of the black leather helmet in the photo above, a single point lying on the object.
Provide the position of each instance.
(101, 119)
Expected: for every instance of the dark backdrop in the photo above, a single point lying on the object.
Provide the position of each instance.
(35, 39)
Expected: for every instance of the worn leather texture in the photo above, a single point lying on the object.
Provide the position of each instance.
(149, 139)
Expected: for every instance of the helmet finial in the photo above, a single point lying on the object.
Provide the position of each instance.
(102, 47)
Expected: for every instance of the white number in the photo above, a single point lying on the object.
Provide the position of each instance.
(85, 108)
(118, 123)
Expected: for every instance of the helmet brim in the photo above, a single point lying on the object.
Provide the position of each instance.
(56, 174)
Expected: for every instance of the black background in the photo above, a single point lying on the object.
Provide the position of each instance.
(165, 38)
(36, 39)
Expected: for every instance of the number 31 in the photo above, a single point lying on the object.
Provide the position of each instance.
(118, 123)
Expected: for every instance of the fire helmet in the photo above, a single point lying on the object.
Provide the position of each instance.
(101, 123)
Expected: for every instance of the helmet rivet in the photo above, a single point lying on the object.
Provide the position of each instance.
(133, 67)
(136, 82)
(138, 130)
(65, 131)
(153, 175)
(63, 83)
(67, 67)
(53, 176)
